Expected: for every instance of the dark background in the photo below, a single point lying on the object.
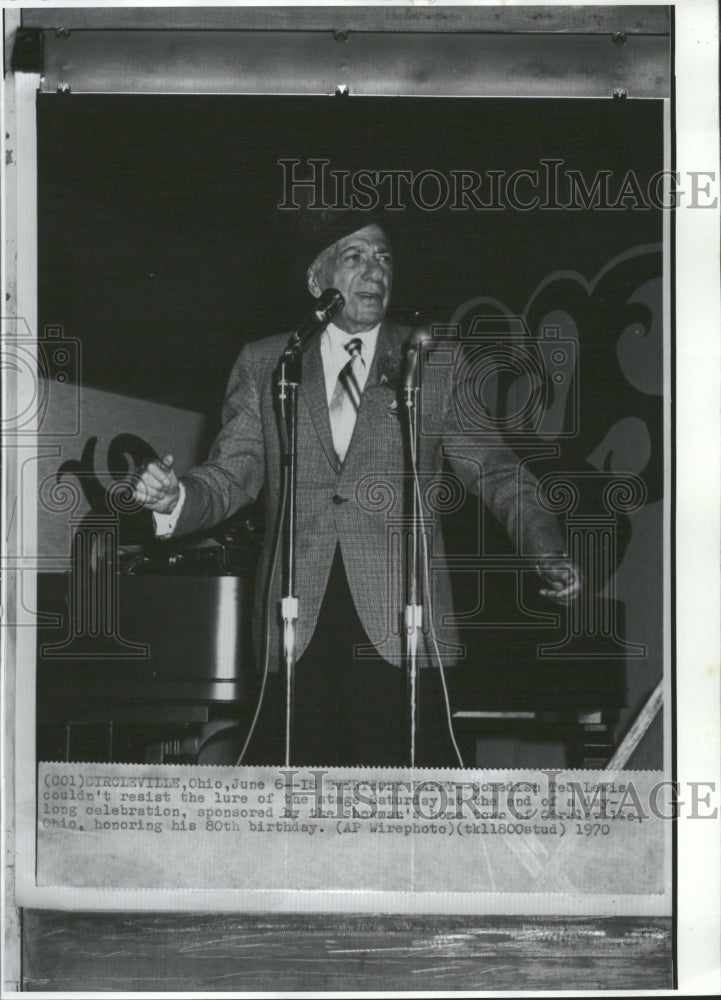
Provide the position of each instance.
(158, 248)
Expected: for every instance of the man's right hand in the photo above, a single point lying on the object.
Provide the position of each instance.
(157, 486)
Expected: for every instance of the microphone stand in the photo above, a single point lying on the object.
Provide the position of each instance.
(413, 611)
(288, 380)
(287, 386)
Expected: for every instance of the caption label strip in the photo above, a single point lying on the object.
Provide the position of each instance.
(252, 828)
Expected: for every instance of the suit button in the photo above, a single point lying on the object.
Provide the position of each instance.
(339, 500)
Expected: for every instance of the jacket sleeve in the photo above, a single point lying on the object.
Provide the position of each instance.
(488, 467)
(234, 472)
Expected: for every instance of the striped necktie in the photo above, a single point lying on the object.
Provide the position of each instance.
(346, 399)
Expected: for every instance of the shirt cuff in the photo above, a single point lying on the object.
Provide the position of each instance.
(165, 523)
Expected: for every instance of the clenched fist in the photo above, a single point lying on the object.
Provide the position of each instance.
(562, 577)
(157, 487)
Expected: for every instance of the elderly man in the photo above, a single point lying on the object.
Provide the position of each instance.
(350, 689)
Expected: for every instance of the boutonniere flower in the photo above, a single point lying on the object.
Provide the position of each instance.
(389, 371)
(389, 376)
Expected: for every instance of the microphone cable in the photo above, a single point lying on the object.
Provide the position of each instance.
(327, 305)
(279, 524)
(429, 600)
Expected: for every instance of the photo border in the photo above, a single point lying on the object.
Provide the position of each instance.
(695, 706)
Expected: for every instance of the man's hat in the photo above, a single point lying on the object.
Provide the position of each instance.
(313, 230)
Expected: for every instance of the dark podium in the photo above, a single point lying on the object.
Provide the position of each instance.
(168, 675)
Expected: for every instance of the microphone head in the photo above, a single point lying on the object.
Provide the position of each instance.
(420, 334)
(329, 303)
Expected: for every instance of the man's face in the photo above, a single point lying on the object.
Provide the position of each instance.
(360, 266)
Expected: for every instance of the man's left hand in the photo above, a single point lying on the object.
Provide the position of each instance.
(562, 578)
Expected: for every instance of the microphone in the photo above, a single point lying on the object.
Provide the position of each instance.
(419, 335)
(326, 306)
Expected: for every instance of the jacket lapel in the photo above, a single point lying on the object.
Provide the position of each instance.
(386, 358)
(384, 370)
(312, 392)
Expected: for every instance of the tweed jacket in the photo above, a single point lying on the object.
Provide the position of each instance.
(357, 505)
